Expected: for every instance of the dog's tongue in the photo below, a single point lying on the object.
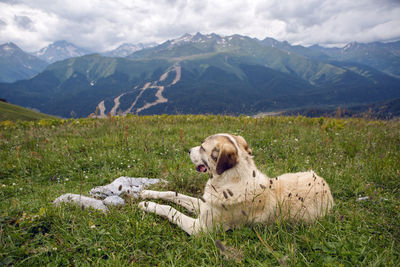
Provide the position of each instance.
(201, 168)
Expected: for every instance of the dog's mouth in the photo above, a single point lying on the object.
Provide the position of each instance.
(201, 168)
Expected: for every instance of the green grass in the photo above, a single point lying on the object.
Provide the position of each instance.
(13, 113)
(41, 160)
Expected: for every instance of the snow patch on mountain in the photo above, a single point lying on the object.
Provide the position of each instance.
(126, 49)
(60, 50)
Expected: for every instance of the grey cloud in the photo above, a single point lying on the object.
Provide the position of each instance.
(11, 1)
(392, 2)
(299, 14)
(24, 22)
(99, 25)
(333, 21)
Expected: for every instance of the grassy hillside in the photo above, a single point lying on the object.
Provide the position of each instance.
(12, 112)
(39, 161)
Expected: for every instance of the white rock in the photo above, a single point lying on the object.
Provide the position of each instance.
(110, 193)
(114, 201)
(362, 198)
(81, 201)
(123, 185)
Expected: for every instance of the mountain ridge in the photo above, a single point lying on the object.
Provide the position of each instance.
(126, 49)
(60, 50)
(231, 75)
(15, 64)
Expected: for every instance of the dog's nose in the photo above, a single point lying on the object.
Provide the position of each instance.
(189, 150)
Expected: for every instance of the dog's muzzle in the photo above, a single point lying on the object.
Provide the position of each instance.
(195, 157)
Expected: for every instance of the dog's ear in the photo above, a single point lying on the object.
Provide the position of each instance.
(243, 144)
(227, 158)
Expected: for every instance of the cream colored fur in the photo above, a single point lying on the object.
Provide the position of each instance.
(238, 193)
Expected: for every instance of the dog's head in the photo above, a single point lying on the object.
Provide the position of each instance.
(219, 152)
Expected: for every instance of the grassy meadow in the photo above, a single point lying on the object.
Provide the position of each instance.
(41, 160)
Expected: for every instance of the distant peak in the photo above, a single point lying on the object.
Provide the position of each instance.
(10, 45)
(351, 45)
(61, 43)
(9, 48)
(198, 34)
(186, 35)
(199, 37)
(183, 39)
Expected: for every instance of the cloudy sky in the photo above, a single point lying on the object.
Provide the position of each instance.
(100, 25)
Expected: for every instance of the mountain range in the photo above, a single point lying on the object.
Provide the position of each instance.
(15, 64)
(60, 50)
(213, 74)
(126, 49)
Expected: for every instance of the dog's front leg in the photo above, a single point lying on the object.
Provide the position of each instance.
(190, 203)
(188, 224)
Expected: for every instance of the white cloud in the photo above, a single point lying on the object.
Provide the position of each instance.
(100, 25)
(335, 22)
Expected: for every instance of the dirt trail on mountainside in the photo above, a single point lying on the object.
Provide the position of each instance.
(160, 97)
(139, 95)
(159, 94)
(102, 109)
(116, 104)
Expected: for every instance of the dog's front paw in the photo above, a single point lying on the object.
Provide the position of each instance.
(143, 205)
(144, 194)
(147, 206)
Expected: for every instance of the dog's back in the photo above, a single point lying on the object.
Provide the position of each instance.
(302, 196)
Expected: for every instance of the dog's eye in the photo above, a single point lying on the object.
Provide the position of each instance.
(202, 148)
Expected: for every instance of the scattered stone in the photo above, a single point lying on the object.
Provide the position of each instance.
(111, 193)
(82, 201)
(123, 185)
(114, 201)
(362, 198)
